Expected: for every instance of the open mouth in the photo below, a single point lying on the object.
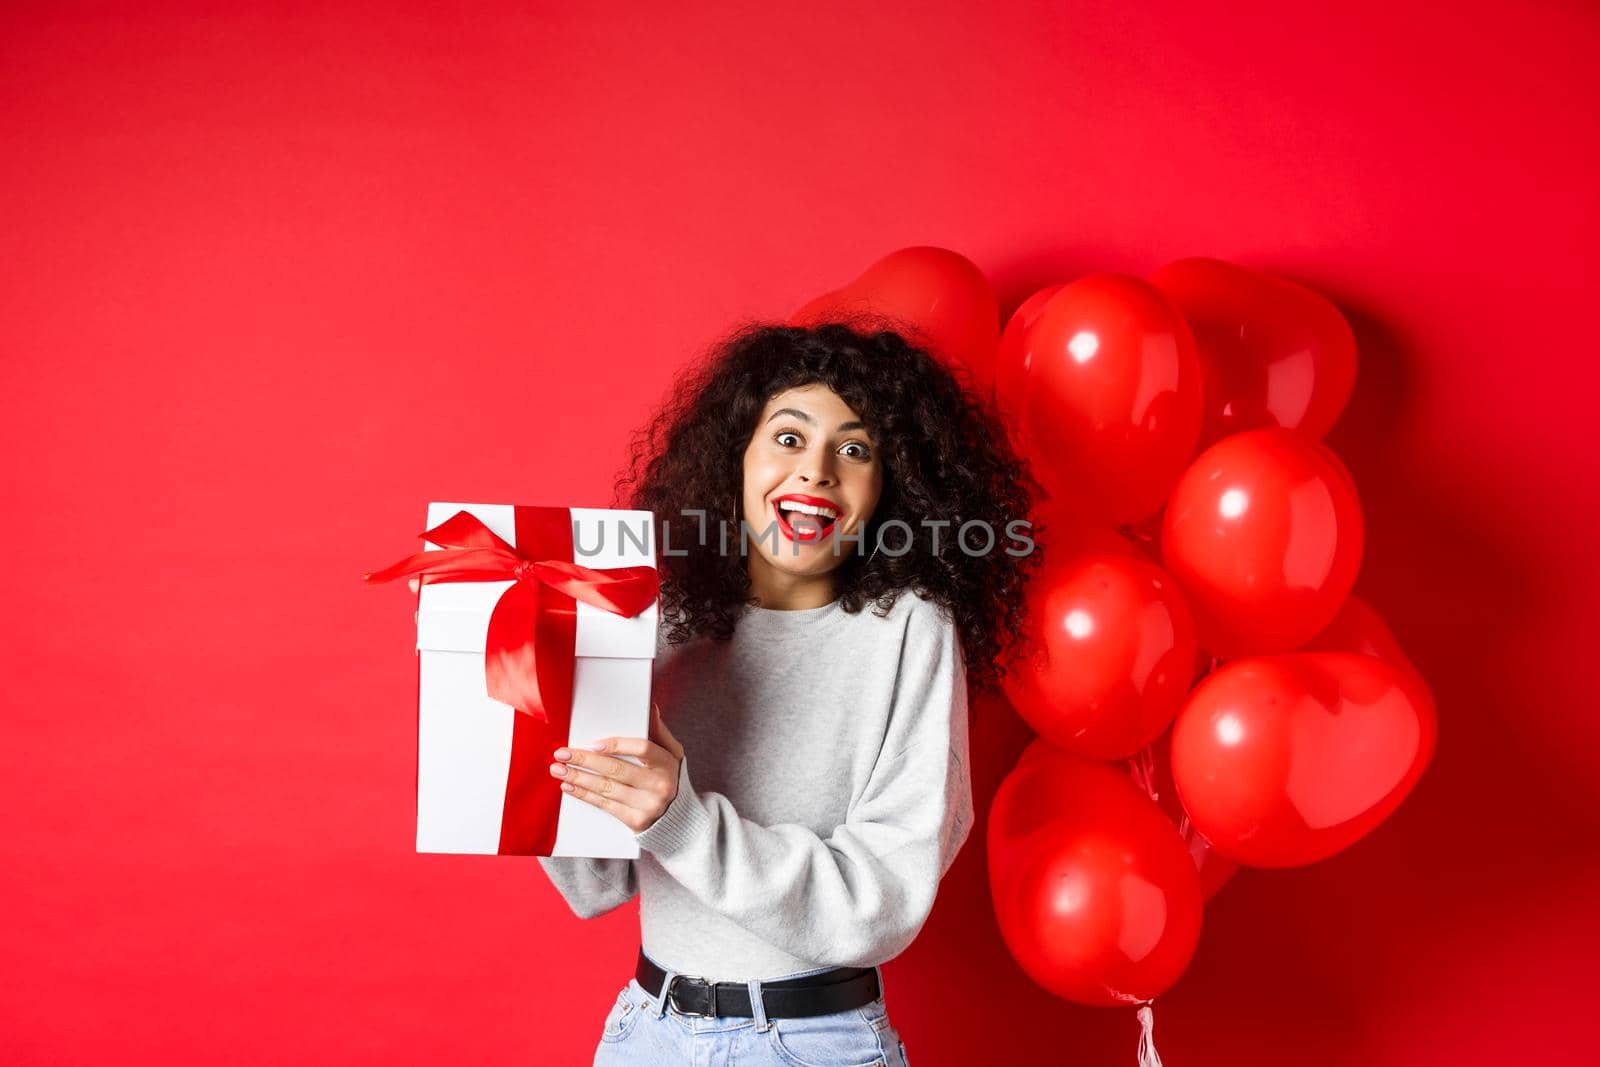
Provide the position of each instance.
(798, 525)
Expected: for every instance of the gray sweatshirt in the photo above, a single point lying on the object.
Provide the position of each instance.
(823, 794)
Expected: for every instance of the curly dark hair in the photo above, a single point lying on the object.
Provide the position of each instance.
(945, 457)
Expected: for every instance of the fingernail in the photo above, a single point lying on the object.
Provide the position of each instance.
(599, 746)
(557, 769)
(563, 753)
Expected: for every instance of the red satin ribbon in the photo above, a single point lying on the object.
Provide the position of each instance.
(531, 643)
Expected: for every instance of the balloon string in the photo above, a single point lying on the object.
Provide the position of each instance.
(1144, 771)
(1148, 1056)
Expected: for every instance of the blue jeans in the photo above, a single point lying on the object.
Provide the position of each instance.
(647, 1031)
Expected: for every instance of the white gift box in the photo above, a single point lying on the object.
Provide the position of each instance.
(464, 739)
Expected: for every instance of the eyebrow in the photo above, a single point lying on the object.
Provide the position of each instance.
(803, 417)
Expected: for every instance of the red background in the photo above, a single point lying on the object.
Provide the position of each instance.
(272, 281)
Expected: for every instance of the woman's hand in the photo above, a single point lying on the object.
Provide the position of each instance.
(635, 794)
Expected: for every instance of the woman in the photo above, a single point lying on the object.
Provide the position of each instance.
(796, 819)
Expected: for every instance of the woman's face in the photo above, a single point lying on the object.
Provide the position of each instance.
(808, 449)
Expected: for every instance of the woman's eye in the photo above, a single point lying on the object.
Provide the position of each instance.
(790, 439)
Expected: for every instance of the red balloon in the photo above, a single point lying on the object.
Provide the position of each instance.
(1012, 358)
(1111, 402)
(1095, 894)
(933, 297)
(1285, 760)
(1151, 771)
(1113, 651)
(1264, 535)
(1273, 353)
(1359, 629)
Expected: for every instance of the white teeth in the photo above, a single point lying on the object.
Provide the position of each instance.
(795, 505)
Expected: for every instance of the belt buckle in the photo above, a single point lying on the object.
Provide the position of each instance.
(672, 995)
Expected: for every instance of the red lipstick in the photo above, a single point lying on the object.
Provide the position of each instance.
(809, 533)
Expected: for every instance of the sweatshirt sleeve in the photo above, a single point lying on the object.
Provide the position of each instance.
(860, 895)
(592, 887)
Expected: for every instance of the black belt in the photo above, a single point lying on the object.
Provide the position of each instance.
(832, 991)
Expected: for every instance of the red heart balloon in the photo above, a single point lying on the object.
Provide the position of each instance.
(1273, 353)
(1112, 654)
(1111, 401)
(1264, 535)
(1285, 760)
(1095, 894)
(935, 298)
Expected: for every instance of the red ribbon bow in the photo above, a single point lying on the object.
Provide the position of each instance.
(528, 657)
(532, 641)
